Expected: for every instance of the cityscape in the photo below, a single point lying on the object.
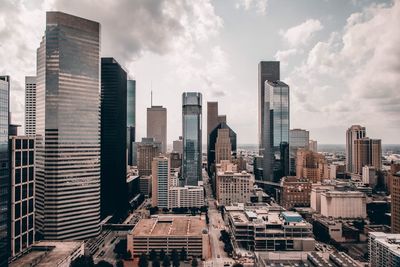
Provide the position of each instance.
(103, 166)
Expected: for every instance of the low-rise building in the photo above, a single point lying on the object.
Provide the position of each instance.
(343, 204)
(185, 197)
(384, 249)
(233, 187)
(316, 191)
(168, 233)
(295, 192)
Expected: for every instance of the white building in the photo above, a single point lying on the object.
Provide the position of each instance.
(316, 191)
(185, 197)
(161, 181)
(369, 176)
(233, 187)
(343, 204)
(30, 105)
(384, 249)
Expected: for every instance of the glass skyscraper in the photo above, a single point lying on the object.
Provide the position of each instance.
(131, 119)
(68, 125)
(192, 143)
(4, 171)
(276, 131)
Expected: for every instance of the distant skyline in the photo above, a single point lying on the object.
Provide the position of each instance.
(340, 58)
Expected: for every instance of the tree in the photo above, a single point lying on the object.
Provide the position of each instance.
(83, 261)
(166, 261)
(207, 219)
(165, 210)
(104, 264)
(119, 264)
(153, 255)
(175, 258)
(143, 261)
(155, 263)
(128, 255)
(194, 262)
(183, 254)
(237, 265)
(120, 248)
(162, 254)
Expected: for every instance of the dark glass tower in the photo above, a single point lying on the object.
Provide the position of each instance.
(267, 71)
(114, 197)
(276, 131)
(191, 122)
(131, 118)
(4, 171)
(68, 128)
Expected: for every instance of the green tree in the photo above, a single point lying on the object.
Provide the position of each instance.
(166, 261)
(119, 264)
(162, 254)
(153, 255)
(195, 263)
(175, 258)
(104, 264)
(237, 265)
(83, 261)
(143, 261)
(155, 263)
(183, 254)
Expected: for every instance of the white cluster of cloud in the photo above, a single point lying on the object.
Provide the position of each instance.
(302, 33)
(354, 76)
(259, 5)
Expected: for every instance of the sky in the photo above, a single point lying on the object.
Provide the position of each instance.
(341, 58)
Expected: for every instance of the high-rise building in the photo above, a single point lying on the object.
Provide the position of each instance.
(384, 249)
(185, 197)
(161, 181)
(313, 145)
(311, 165)
(395, 205)
(267, 71)
(114, 198)
(30, 105)
(177, 145)
(366, 152)
(223, 146)
(176, 159)
(212, 117)
(192, 142)
(68, 122)
(147, 150)
(276, 131)
(22, 193)
(221, 119)
(298, 138)
(157, 125)
(4, 171)
(131, 119)
(353, 133)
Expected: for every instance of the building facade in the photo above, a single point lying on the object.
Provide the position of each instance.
(353, 133)
(22, 193)
(185, 197)
(192, 137)
(68, 122)
(160, 181)
(223, 146)
(367, 152)
(295, 192)
(343, 204)
(395, 205)
(177, 145)
(147, 150)
(298, 138)
(212, 118)
(114, 195)
(311, 165)
(157, 125)
(384, 249)
(233, 187)
(131, 119)
(30, 105)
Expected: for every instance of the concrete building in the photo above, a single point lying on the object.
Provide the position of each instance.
(384, 249)
(311, 165)
(176, 159)
(212, 118)
(185, 197)
(157, 125)
(343, 204)
(233, 187)
(222, 119)
(30, 105)
(131, 120)
(268, 229)
(22, 232)
(177, 145)
(295, 192)
(168, 233)
(192, 137)
(315, 199)
(369, 176)
(395, 205)
(223, 146)
(145, 185)
(313, 145)
(355, 132)
(367, 152)
(298, 138)
(50, 253)
(161, 181)
(147, 150)
(68, 122)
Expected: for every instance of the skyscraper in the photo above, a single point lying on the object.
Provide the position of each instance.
(212, 118)
(353, 133)
(367, 152)
(131, 119)
(298, 138)
(395, 205)
(114, 198)
(267, 71)
(4, 171)
(30, 105)
(276, 131)
(223, 146)
(191, 128)
(68, 120)
(177, 145)
(161, 180)
(157, 125)
(147, 150)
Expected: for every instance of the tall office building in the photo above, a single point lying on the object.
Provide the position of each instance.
(353, 133)
(298, 138)
(192, 142)
(267, 71)
(4, 171)
(311, 165)
(212, 118)
(30, 105)
(161, 181)
(131, 119)
(22, 193)
(221, 119)
(223, 146)
(68, 120)
(147, 150)
(313, 145)
(395, 205)
(367, 152)
(114, 198)
(157, 125)
(177, 145)
(276, 131)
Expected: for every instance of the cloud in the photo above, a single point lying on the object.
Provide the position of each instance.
(284, 55)
(259, 5)
(302, 33)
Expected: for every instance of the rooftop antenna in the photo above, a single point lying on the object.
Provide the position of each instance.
(151, 93)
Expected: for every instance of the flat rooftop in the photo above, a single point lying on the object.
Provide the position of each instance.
(47, 253)
(170, 226)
